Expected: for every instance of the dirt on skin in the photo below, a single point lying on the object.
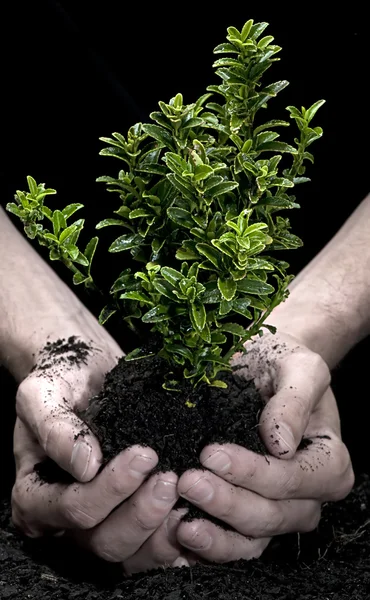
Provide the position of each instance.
(332, 563)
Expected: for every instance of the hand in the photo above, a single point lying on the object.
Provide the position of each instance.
(265, 496)
(113, 512)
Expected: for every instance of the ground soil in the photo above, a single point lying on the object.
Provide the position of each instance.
(332, 563)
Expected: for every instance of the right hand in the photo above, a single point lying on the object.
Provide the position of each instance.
(112, 512)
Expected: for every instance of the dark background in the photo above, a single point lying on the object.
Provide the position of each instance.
(72, 71)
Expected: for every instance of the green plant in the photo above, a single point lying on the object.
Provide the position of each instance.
(198, 199)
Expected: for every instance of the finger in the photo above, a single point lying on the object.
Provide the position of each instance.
(45, 406)
(301, 378)
(247, 512)
(162, 549)
(81, 505)
(322, 470)
(214, 544)
(127, 528)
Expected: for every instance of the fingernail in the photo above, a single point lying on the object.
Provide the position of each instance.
(80, 459)
(141, 464)
(201, 491)
(180, 562)
(218, 462)
(165, 491)
(286, 436)
(201, 540)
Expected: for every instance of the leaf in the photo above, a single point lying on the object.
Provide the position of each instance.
(225, 48)
(233, 328)
(240, 305)
(181, 186)
(59, 222)
(211, 294)
(160, 134)
(310, 112)
(277, 147)
(175, 163)
(109, 222)
(198, 313)
(155, 315)
(165, 288)
(222, 188)
(106, 313)
(211, 253)
(125, 242)
(265, 41)
(32, 185)
(139, 296)
(265, 136)
(139, 212)
(180, 349)
(67, 232)
(274, 88)
(194, 122)
(227, 287)
(171, 275)
(72, 250)
(219, 384)
(181, 217)
(81, 259)
(79, 278)
(246, 30)
(257, 29)
(90, 249)
(225, 307)
(273, 123)
(254, 286)
(202, 172)
(14, 209)
(69, 210)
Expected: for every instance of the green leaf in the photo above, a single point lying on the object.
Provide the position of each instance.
(211, 253)
(269, 124)
(175, 163)
(156, 315)
(180, 185)
(265, 41)
(109, 222)
(219, 384)
(202, 172)
(125, 242)
(79, 278)
(171, 275)
(222, 188)
(68, 231)
(198, 313)
(257, 30)
(225, 48)
(254, 286)
(69, 210)
(165, 288)
(32, 185)
(14, 209)
(90, 249)
(246, 30)
(240, 305)
(80, 258)
(106, 313)
(277, 147)
(139, 212)
(233, 328)
(160, 134)
(225, 307)
(59, 222)
(194, 122)
(227, 287)
(139, 296)
(310, 112)
(72, 250)
(181, 217)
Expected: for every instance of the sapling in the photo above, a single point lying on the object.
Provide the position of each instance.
(199, 199)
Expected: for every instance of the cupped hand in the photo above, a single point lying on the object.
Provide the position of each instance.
(263, 496)
(112, 511)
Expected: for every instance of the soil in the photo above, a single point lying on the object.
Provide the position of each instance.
(332, 563)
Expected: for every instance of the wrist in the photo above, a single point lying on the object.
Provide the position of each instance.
(328, 328)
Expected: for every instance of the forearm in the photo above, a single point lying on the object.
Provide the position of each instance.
(329, 303)
(34, 302)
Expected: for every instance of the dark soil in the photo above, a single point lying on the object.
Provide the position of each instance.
(133, 408)
(332, 563)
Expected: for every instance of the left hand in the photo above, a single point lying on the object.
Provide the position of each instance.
(263, 496)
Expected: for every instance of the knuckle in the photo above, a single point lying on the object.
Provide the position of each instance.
(228, 506)
(76, 514)
(103, 551)
(290, 485)
(344, 477)
(274, 521)
(147, 522)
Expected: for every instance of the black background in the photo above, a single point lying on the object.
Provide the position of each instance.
(73, 71)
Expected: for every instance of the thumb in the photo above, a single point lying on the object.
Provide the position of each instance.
(45, 407)
(299, 383)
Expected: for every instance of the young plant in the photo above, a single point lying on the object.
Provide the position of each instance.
(198, 197)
